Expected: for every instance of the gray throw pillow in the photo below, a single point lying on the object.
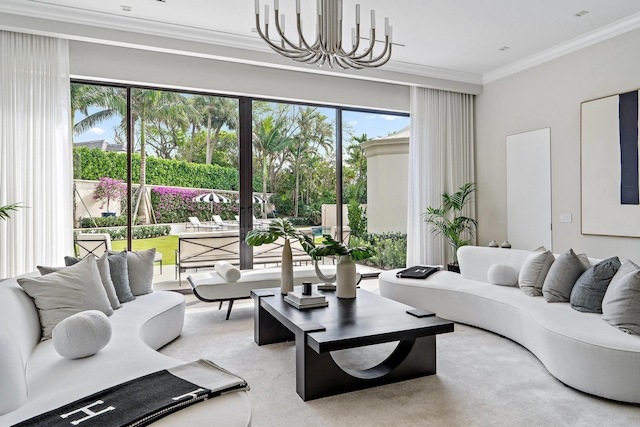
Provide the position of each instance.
(563, 274)
(48, 270)
(67, 292)
(534, 270)
(140, 265)
(621, 303)
(120, 276)
(589, 290)
(105, 276)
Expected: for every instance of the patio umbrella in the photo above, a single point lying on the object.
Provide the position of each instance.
(211, 198)
(258, 199)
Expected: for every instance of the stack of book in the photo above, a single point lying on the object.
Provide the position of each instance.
(302, 302)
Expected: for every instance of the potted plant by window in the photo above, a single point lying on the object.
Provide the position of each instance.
(108, 189)
(346, 267)
(448, 221)
(4, 210)
(281, 228)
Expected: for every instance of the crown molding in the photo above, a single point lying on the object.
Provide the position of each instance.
(607, 32)
(246, 42)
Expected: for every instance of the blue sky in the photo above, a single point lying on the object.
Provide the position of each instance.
(374, 125)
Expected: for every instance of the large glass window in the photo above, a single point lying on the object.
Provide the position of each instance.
(182, 169)
(375, 154)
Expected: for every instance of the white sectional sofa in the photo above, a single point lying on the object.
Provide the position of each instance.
(579, 349)
(34, 378)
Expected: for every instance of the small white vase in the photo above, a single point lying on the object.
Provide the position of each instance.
(346, 277)
(286, 269)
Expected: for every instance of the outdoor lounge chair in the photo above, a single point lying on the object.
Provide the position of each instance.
(97, 244)
(223, 225)
(94, 244)
(197, 225)
(257, 223)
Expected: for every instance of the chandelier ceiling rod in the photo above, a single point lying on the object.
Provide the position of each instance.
(327, 46)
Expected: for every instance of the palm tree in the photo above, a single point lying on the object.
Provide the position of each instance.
(269, 137)
(112, 101)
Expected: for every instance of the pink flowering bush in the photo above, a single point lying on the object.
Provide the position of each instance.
(108, 189)
(176, 205)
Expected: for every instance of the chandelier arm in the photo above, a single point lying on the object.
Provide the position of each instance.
(272, 45)
(375, 62)
(357, 42)
(379, 57)
(371, 45)
(303, 40)
(284, 38)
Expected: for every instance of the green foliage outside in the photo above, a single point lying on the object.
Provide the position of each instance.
(109, 221)
(93, 164)
(138, 232)
(357, 218)
(389, 249)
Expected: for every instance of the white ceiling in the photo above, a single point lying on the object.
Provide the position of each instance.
(458, 38)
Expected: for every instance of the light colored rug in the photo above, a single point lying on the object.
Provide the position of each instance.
(482, 380)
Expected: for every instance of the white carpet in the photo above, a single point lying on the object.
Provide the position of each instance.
(482, 380)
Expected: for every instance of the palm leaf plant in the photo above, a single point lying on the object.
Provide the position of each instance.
(279, 227)
(331, 247)
(4, 210)
(448, 220)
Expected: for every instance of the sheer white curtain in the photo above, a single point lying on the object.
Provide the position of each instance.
(35, 152)
(441, 158)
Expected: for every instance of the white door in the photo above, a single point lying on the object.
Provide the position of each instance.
(529, 189)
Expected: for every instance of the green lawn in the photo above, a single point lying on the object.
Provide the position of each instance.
(165, 244)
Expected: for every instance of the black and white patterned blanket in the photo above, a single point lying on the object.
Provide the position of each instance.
(143, 400)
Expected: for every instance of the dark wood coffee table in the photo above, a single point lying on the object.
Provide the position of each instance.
(347, 323)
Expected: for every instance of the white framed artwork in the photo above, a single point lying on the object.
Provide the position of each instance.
(610, 182)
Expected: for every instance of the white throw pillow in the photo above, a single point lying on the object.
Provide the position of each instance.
(503, 275)
(82, 335)
(228, 271)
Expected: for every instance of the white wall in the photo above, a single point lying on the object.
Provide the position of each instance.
(549, 95)
(122, 64)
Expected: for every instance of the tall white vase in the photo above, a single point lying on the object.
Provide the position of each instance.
(346, 277)
(286, 269)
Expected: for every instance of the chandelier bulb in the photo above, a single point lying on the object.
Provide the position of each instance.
(357, 13)
(373, 19)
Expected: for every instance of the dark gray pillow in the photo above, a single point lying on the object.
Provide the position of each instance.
(120, 276)
(589, 290)
(564, 272)
(621, 303)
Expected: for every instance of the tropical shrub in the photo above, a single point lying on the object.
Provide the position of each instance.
(357, 218)
(138, 232)
(301, 221)
(109, 221)
(176, 205)
(389, 249)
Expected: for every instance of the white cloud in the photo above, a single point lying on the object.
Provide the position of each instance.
(98, 131)
(370, 117)
(390, 117)
(353, 123)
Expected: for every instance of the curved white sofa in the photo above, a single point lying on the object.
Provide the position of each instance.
(35, 379)
(579, 349)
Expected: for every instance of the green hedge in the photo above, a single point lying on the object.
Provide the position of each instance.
(93, 163)
(138, 232)
(109, 221)
(390, 249)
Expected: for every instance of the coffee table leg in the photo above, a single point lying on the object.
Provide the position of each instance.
(267, 330)
(318, 375)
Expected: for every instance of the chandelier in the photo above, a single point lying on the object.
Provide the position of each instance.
(327, 47)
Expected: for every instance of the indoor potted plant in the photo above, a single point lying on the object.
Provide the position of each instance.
(108, 189)
(449, 221)
(281, 228)
(4, 210)
(346, 267)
